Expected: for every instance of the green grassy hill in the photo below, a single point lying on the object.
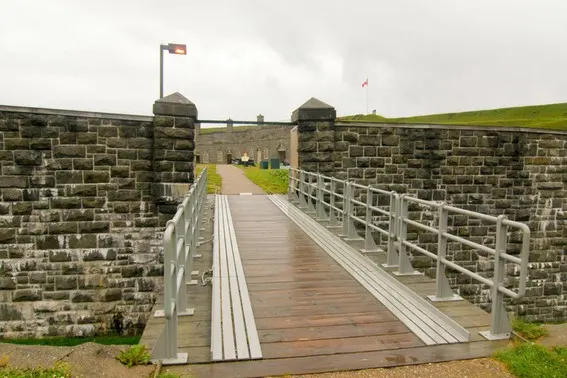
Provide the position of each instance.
(552, 116)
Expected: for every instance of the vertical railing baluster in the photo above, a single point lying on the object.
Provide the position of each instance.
(369, 243)
(333, 223)
(391, 254)
(500, 326)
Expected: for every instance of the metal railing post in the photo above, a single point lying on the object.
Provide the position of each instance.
(193, 234)
(404, 264)
(302, 202)
(346, 204)
(500, 325)
(352, 234)
(369, 243)
(310, 207)
(321, 213)
(391, 254)
(333, 222)
(289, 184)
(443, 290)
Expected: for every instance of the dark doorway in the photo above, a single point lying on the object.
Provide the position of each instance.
(229, 158)
(198, 159)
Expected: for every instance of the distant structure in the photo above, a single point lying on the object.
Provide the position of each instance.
(222, 145)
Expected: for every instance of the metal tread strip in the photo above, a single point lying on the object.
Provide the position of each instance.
(233, 331)
(250, 323)
(427, 322)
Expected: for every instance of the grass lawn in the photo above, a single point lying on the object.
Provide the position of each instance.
(72, 341)
(272, 181)
(214, 180)
(529, 360)
(552, 116)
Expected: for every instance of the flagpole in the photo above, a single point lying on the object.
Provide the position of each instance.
(366, 97)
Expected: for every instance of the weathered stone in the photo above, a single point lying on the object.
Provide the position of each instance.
(13, 182)
(10, 312)
(7, 283)
(69, 151)
(27, 157)
(112, 295)
(66, 283)
(26, 295)
(22, 208)
(92, 177)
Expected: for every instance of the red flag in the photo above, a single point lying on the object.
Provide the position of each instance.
(365, 83)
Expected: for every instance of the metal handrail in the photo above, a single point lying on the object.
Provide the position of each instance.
(303, 185)
(180, 246)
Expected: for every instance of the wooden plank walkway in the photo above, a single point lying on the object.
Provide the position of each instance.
(311, 315)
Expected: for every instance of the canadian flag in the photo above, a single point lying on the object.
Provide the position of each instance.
(365, 83)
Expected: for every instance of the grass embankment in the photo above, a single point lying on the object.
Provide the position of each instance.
(531, 360)
(214, 180)
(552, 116)
(272, 181)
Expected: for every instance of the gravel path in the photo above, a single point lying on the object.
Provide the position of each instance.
(234, 181)
(479, 368)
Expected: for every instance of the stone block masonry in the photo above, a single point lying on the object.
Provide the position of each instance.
(519, 172)
(84, 198)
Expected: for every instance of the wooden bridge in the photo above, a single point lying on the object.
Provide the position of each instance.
(288, 296)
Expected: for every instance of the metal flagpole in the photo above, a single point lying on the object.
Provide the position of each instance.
(366, 95)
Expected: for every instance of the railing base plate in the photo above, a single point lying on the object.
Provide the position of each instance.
(188, 312)
(414, 273)
(181, 359)
(489, 336)
(455, 297)
(353, 239)
(389, 266)
(371, 250)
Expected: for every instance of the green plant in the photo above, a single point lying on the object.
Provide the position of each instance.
(529, 360)
(135, 355)
(59, 370)
(530, 331)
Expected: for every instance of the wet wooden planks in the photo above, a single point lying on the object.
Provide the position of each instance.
(304, 303)
(315, 320)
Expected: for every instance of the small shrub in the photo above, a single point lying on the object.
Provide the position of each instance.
(4, 361)
(135, 355)
(530, 331)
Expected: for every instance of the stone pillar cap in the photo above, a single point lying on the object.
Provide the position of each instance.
(314, 110)
(175, 105)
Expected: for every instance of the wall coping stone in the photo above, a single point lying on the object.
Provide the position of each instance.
(449, 126)
(314, 110)
(175, 105)
(74, 113)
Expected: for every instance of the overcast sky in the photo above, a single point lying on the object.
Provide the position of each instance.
(269, 56)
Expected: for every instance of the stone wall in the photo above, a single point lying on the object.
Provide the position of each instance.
(518, 172)
(270, 140)
(84, 197)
